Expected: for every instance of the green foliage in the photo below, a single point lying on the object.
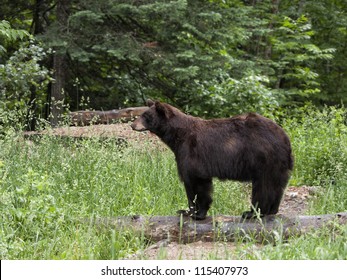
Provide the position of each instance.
(296, 55)
(31, 211)
(210, 57)
(23, 85)
(148, 52)
(23, 79)
(232, 96)
(282, 49)
(319, 139)
(9, 35)
(329, 22)
(154, 48)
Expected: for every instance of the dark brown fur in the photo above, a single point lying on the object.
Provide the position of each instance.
(248, 147)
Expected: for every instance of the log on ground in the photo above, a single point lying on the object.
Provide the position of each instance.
(221, 228)
(82, 118)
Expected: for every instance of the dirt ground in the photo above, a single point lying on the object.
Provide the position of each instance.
(295, 201)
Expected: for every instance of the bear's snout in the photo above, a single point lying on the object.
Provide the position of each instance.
(138, 125)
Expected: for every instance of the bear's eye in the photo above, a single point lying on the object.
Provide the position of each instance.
(147, 118)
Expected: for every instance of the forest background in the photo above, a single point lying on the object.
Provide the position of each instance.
(211, 58)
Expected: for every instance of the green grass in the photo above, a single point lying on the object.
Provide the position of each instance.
(329, 243)
(319, 140)
(48, 186)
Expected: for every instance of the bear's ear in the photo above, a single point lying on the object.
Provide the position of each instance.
(149, 102)
(163, 110)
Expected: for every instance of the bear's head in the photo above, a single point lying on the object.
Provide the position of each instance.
(155, 118)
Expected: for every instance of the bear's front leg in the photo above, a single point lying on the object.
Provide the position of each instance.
(193, 213)
(199, 198)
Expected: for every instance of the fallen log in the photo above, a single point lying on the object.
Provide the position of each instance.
(37, 136)
(82, 118)
(220, 228)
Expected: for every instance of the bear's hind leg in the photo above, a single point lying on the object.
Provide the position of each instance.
(266, 196)
(279, 186)
(257, 200)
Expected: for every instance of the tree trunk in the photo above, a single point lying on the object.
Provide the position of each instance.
(37, 23)
(275, 10)
(59, 65)
(36, 28)
(57, 90)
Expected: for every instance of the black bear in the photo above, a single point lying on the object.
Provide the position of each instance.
(247, 147)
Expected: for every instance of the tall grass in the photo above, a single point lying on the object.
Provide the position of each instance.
(48, 186)
(329, 243)
(319, 140)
